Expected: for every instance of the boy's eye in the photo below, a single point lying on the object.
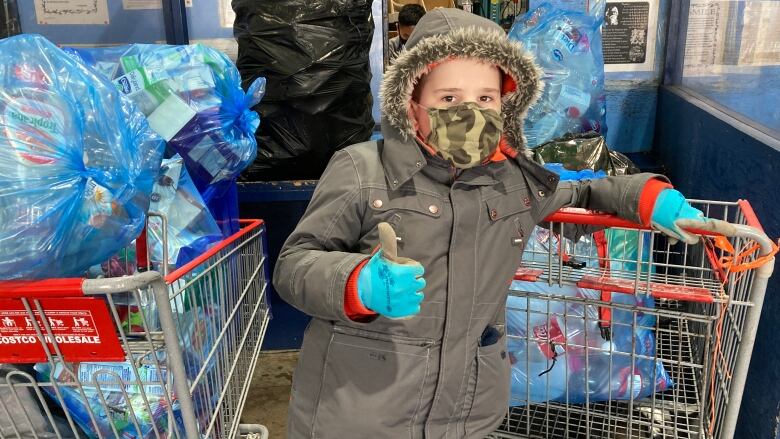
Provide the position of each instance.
(486, 98)
(448, 99)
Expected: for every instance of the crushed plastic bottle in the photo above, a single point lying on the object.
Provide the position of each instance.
(536, 349)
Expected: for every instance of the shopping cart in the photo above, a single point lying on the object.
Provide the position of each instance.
(705, 306)
(139, 356)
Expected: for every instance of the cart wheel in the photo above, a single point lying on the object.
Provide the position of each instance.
(253, 431)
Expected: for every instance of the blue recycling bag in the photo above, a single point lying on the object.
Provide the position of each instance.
(77, 163)
(191, 229)
(193, 98)
(567, 46)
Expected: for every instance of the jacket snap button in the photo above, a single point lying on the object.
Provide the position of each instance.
(541, 193)
(550, 178)
(395, 182)
(377, 203)
(434, 209)
(493, 214)
(418, 164)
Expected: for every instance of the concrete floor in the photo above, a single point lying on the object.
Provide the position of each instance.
(269, 394)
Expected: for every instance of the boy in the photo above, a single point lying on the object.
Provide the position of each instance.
(408, 17)
(380, 359)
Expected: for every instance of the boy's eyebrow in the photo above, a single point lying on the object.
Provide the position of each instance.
(453, 90)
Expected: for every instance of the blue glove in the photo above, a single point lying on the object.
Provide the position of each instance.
(671, 212)
(389, 285)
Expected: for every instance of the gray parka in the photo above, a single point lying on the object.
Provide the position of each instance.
(428, 376)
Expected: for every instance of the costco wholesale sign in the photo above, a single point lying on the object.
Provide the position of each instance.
(81, 328)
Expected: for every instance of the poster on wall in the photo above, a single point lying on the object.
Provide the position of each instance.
(134, 5)
(724, 37)
(629, 35)
(226, 14)
(71, 11)
(760, 34)
(705, 40)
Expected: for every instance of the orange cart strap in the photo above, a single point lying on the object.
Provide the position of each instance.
(737, 262)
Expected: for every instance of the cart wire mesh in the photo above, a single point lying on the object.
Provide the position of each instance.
(189, 342)
(700, 319)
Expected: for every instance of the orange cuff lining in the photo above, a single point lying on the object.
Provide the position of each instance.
(506, 150)
(647, 200)
(353, 306)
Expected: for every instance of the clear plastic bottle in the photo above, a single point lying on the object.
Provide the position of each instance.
(572, 100)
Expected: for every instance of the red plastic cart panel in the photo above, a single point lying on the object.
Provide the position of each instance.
(528, 274)
(657, 290)
(81, 327)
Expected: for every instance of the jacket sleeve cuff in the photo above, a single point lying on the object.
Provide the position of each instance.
(647, 199)
(353, 307)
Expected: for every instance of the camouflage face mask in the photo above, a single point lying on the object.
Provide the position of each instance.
(465, 134)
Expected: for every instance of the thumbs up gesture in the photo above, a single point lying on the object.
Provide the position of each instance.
(388, 284)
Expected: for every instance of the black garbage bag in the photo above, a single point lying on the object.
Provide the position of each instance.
(315, 57)
(9, 19)
(584, 151)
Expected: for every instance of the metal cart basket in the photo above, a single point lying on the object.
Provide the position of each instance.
(704, 310)
(141, 356)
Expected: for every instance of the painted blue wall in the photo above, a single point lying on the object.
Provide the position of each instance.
(707, 158)
(281, 205)
(631, 109)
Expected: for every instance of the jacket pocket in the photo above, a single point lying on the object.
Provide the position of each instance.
(380, 201)
(372, 385)
(490, 398)
(406, 212)
(507, 205)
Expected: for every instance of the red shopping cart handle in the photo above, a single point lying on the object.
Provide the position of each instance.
(13, 289)
(247, 225)
(573, 215)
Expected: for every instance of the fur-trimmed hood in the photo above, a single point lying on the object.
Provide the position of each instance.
(453, 33)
